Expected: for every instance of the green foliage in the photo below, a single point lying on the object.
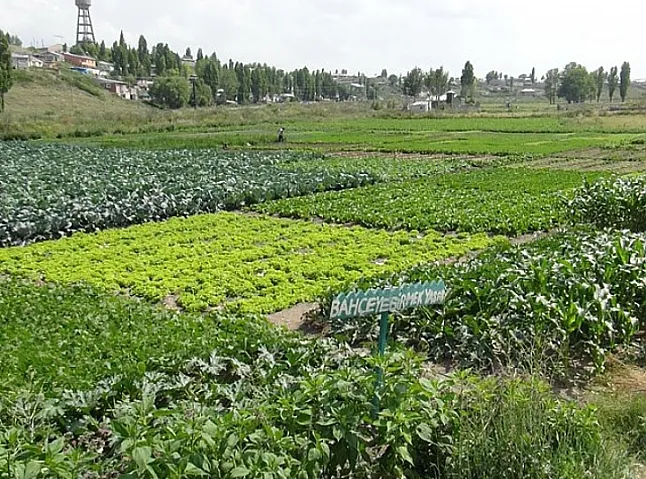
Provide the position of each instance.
(235, 261)
(576, 84)
(413, 82)
(468, 82)
(543, 307)
(514, 429)
(51, 191)
(625, 417)
(624, 80)
(552, 85)
(613, 82)
(600, 77)
(227, 397)
(171, 92)
(616, 202)
(506, 201)
(437, 81)
(6, 69)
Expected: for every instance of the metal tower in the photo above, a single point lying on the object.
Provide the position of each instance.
(84, 30)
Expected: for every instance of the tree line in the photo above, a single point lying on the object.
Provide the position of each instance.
(216, 81)
(437, 82)
(576, 85)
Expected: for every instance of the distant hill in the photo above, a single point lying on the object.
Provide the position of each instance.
(42, 98)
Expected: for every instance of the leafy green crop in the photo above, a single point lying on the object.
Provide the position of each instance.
(243, 262)
(48, 191)
(503, 200)
(557, 301)
(94, 385)
(616, 203)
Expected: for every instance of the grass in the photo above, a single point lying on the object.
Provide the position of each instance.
(42, 104)
(240, 262)
(502, 201)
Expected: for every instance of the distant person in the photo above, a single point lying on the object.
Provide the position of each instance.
(281, 135)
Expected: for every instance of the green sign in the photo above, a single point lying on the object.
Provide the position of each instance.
(388, 300)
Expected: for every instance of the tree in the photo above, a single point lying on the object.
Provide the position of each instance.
(600, 77)
(200, 54)
(384, 74)
(577, 85)
(624, 81)
(203, 94)
(6, 69)
(103, 53)
(171, 92)
(188, 53)
(393, 80)
(122, 40)
(552, 85)
(438, 81)
(13, 40)
(77, 50)
(413, 82)
(258, 84)
(468, 82)
(491, 76)
(613, 82)
(144, 57)
(533, 76)
(228, 83)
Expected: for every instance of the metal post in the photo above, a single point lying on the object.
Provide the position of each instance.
(383, 341)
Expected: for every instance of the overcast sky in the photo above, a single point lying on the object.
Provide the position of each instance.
(510, 36)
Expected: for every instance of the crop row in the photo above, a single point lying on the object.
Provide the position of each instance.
(243, 262)
(505, 200)
(613, 203)
(98, 386)
(574, 296)
(51, 191)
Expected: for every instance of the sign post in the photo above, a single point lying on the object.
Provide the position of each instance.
(383, 302)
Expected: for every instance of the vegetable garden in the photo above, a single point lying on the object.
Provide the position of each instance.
(135, 284)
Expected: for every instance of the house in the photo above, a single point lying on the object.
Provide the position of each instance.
(420, 107)
(49, 59)
(79, 60)
(529, 92)
(119, 88)
(22, 61)
(58, 48)
(105, 66)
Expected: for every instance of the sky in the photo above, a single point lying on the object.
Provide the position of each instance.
(510, 36)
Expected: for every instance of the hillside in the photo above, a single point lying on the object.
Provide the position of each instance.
(41, 100)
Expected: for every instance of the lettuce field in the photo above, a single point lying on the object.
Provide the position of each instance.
(139, 291)
(243, 262)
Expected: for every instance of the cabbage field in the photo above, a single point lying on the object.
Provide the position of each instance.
(139, 290)
(52, 191)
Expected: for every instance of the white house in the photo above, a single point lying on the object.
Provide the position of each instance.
(22, 61)
(420, 107)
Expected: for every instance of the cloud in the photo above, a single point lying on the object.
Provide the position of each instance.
(365, 35)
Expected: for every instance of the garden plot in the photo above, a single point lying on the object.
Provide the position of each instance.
(232, 261)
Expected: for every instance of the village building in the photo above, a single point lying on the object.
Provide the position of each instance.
(79, 60)
(23, 61)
